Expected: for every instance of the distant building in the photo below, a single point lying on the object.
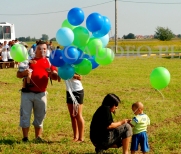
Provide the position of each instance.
(144, 36)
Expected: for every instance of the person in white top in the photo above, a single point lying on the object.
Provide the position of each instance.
(4, 56)
(76, 119)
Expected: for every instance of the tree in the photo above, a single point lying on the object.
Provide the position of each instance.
(163, 34)
(179, 35)
(28, 39)
(53, 39)
(129, 36)
(44, 37)
(22, 39)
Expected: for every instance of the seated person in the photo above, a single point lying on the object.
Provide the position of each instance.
(104, 132)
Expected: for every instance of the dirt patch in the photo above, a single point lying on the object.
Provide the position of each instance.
(3, 83)
(153, 127)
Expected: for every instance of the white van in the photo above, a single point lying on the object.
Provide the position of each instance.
(7, 32)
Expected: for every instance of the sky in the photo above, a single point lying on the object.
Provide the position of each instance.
(140, 17)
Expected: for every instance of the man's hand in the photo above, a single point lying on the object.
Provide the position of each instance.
(54, 75)
(59, 79)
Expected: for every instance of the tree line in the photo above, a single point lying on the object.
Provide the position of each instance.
(44, 37)
(161, 33)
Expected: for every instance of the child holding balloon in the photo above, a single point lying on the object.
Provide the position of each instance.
(139, 124)
(26, 80)
(75, 109)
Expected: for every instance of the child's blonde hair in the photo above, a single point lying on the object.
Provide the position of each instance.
(137, 105)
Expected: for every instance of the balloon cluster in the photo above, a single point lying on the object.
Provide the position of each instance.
(84, 47)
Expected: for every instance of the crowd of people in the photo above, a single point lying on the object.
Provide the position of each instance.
(5, 49)
(5, 55)
(104, 132)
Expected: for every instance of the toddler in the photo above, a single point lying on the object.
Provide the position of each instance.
(139, 123)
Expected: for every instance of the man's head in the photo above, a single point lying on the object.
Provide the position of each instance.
(137, 108)
(41, 49)
(5, 42)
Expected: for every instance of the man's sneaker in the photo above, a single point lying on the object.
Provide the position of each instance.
(25, 139)
(39, 140)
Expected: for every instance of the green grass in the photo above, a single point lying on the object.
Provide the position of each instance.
(142, 45)
(146, 45)
(126, 77)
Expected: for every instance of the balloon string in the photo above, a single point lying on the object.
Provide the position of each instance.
(160, 93)
(152, 93)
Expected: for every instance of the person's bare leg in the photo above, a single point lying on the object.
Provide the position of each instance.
(38, 132)
(132, 152)
(25, 131)
(80, 123)
(73, 121)
(125, 143)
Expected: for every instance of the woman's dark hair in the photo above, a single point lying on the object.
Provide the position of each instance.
(111, 100)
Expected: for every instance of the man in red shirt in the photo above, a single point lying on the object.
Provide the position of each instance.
(36, 96)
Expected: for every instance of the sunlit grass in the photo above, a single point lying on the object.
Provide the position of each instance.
(140, 45)
(126, 77)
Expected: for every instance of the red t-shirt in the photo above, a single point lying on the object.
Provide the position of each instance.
(39, 77)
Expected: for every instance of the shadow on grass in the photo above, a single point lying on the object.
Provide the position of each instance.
(11, 142)
(172, 57)
(8, 141)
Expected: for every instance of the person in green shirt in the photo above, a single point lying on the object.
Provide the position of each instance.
(139, 123)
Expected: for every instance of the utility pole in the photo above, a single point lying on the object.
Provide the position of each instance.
(115, 36)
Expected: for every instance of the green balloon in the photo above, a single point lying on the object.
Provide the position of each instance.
(65, 23)
(19, 53)
(160, 78)
(93, 46)
(81, 36)
(84, 67)
(105, 56)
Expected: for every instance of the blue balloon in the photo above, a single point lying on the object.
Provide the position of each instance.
(87, 56)
(94, 64)
(104, 40)
(75, 16)
(104, 29)
(92, 60)
(56, 58)
(70, 54)
(94, 22)
(80, 58)
(65, 36)
(66, 72)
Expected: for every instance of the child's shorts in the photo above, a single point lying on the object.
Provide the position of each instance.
(79, 95)
(141, 139)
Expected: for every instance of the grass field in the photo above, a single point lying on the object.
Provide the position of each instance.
(126, 77)
(141, 45)
(146, 45)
